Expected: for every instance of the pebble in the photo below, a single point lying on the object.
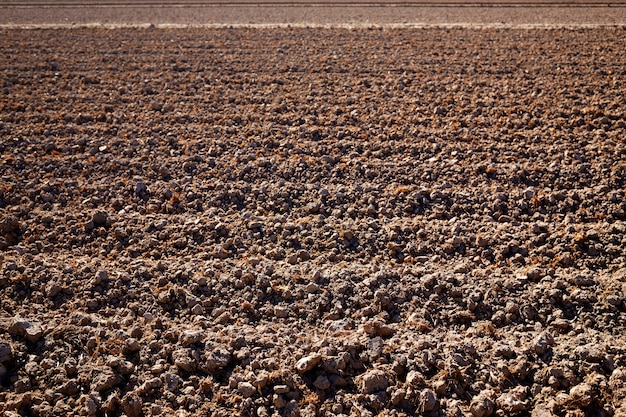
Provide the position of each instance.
(482, 405)
(307, 363)
(373, 381)
(279, 401)
(9, 224)
(132, 405)
(190, 337)
(281, 311)
(582, 395)
(218, 358)
(543, 343)
(6, 352)
(182, 360)
(91, 406)
(312, 287)
(53, 289)
(140, 188)
(535, 274)
(514, 401)
(101, 277)
(31, 330)
(246, 389)
(103, 379)
(415, 379)
(131, 345)
(321, 382)
(100, 218)
(255, 224)
(378, 327)
(281, 389)
(428, 400)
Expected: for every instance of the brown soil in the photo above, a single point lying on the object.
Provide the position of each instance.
(508, 13)
(312, 222)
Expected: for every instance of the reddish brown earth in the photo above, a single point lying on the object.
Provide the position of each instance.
(508, 13)
(312, 222)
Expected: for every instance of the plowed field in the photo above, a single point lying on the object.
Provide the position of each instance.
(321, 221)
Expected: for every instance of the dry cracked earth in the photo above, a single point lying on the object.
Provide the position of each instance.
(312, 222)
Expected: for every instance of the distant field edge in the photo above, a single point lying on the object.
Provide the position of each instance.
(326, 4)
(304, 25)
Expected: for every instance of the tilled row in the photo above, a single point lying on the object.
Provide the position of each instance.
(312, 222)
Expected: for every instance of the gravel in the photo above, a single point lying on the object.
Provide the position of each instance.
(297, 221)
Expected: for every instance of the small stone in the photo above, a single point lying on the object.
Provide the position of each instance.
(53, 289)
(308, 362)
(483, 405)
(582, 395)
(190, 337)
(561, 324)
(172, 382)
(514, 401)
(99, 218)
(101, 277)
(281, 311)
(373, 381)
(22, 385)
(415, 379)
(246, 389)
(9, 224)
(103, 379)
(219, 358)
(6, 352)
(614, 300)
(140, 188)
(584, 281)
(262, 411)
(131, 345)
(321, 382)
(543, 342)
(255, 224)
(125, 367)
(197, 310)
(542, 410)
(31, 330)
(281, 389)
(528, 193)
(398, 396)
(377, 327)
(279, 401)
(89, 226)
(182, 360)
(91, 407)
(71, 366)
(428, 400)
(534, 274)
(347, 234)
(132, 405)
(180, 243)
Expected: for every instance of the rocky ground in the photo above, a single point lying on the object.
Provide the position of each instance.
(312, 222)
